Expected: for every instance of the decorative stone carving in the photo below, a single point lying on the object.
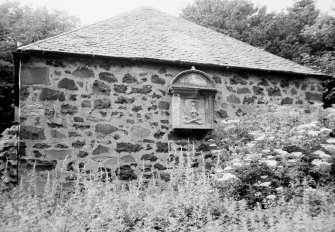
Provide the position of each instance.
(192, 106)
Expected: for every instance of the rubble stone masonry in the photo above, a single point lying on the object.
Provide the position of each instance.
(116, 115)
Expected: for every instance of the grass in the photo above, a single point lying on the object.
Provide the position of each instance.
(194, 199)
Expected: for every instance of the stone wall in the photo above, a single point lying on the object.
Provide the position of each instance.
(116, 116)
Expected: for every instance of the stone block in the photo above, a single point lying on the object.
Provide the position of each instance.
(31, 133)
(151, 157)
(51, 95)
(69, 109)
(86, 104)
(101, 88)
(67, 83)
(102, 103)
(57, 154)
(163, 105)
(124, 100)
(128, 147)
(243, 90)
(120, 88)
(125, 172)
(313, 96)
(233, 99)
(128, 159)
(105, 129)
(157, 80)
(162, 147)
(34, 76)
(100, 150)
(57, 135)
(127, 78)
(108, 77)
(139, 133)
(83, 72)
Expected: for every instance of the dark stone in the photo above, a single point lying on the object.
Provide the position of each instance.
(58, 73)
(144, 90)
(83, 72)
(56, 134)
(239, 112)
(287, 101)
(165, 176)
(165, 121)
(162, 70)
(124, 100)
(233, 99)
(24, 93)
(67, 83)
(237, 80)
(78, 144)
(129, 79)
(128, 159)
(157, 80)
(284, 83)
(159, 166)
(130, 121)
(34, 76)
(78, 119)
(163, 105)
(128, 147)
(105, 66)
(50, 95)
(82, 154)
(41, 146)
(55, 63)
(125, 172)
(162, 147)
(105, 129)
(222, 113)
(300, 102)
(73, 134)
(258, 90)
(151, 157)
(86, 104)
(108, 77)
(264, 82)
(61, 97)
(31, 133)
(73, 97)
(61, 146)
(203, 147)
(81, 127)
(101, 88)
(120, 88)
(304, 87)
(37, 154)
(102, 103)
(313, 96)
(293, 148)
(136, 108)
(69, 109)
(55, 125)
(100, 149)
(217, 79)
(39, 165)
(243, 90)
(249, 100)
(152, 107)
(274, 91)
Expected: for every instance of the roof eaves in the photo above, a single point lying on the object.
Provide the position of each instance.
(162, 61)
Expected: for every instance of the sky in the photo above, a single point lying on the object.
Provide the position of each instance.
(91, 11)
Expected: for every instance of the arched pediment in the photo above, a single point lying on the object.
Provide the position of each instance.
(192, 79)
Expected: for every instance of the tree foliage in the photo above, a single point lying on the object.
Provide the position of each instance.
(21, 25)
(301, 33)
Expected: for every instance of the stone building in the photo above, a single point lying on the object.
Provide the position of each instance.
(120, 92)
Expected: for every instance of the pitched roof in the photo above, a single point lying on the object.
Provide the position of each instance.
(151, 34)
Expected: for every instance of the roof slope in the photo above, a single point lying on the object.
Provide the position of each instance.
(152, 34)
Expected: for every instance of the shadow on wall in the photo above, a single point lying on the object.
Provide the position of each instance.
(6, 97)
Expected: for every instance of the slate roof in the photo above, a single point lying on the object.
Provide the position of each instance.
(151, 34)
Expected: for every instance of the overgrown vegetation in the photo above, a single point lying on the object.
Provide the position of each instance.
(272, 171)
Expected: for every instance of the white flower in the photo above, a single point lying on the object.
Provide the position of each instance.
(265, 184)
(227, 176)
(271, 197)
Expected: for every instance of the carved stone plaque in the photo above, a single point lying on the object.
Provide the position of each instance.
(192, 105)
